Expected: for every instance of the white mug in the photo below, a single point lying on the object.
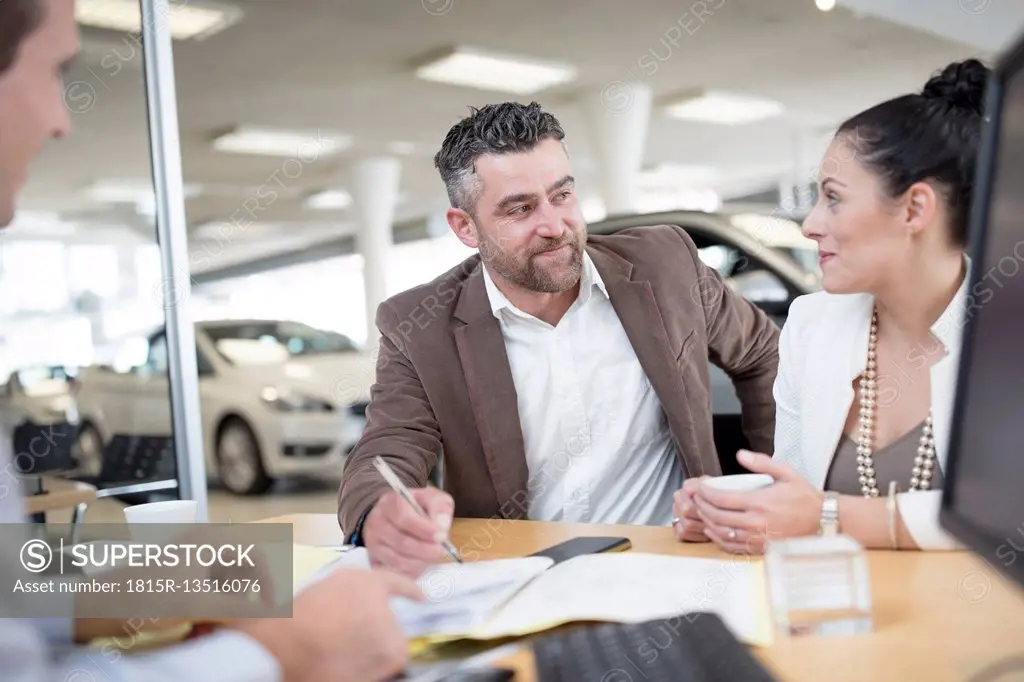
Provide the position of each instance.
(744, 482)
(169, 511)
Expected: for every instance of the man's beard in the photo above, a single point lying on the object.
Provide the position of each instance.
(522, 271)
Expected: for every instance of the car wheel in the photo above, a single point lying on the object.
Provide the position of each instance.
(87, 452)
(239, 460)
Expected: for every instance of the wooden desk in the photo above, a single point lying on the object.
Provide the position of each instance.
(938, 616)
(60, 494)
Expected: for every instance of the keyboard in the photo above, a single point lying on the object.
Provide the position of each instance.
(695, 647)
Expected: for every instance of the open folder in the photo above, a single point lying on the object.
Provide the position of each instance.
(501, 598)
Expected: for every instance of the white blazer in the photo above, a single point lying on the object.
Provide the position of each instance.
(822, 349)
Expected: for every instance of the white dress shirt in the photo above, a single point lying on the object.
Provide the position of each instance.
(597, 441)
(42, 650)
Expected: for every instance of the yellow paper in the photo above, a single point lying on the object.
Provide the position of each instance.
(307, 560)
(132, 642)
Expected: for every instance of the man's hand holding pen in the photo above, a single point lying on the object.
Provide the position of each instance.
(398, 538)
(407, 530)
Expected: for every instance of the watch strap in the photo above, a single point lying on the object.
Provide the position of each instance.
(356, 536)
(830, 514)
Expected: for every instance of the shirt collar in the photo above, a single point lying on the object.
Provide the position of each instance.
(949, 327)
(589, 279)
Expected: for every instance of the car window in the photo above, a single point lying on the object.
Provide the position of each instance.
(156, 362)
(203, 363)
(743, 274)
(274, 341)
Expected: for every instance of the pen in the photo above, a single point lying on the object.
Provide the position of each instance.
(396, 484)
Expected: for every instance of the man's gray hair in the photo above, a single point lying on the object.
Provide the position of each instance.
(504, 128)
(18, 18)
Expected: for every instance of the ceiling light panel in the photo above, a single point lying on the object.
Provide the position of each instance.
(673, 175)
(722, 108)
(131, 191)
(187, 20)
(516, 74)
(307, 146)
(329, 199)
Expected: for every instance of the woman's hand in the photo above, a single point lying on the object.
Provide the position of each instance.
(742, 522)
(689, 527)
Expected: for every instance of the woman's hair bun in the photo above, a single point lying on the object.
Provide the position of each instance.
(961, 85)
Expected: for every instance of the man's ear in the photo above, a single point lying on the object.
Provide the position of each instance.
(461, 223)
(919, 207)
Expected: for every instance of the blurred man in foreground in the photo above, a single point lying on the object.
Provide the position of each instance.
(342, 627)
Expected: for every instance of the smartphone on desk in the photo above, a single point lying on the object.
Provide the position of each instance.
(564, 551)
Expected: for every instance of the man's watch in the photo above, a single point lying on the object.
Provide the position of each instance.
(830, 514)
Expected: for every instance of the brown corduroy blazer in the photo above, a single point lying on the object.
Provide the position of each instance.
(444, 382)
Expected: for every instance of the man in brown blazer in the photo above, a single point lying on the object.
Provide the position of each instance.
(563, 377)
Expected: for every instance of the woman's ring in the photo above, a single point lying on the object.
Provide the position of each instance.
(732, 533)
(675, 520)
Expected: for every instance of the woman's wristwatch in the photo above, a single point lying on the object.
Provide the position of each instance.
(830, 514)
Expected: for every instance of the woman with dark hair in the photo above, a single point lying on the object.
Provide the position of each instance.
(17, 19)
(867, 367)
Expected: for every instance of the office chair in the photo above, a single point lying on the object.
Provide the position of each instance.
(41, 449)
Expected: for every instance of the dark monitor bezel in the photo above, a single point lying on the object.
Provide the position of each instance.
(980, 540)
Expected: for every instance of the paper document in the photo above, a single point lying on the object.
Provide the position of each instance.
(631, 587)
(512, 597)
(461, 597)
(310, 564)
(508, 598)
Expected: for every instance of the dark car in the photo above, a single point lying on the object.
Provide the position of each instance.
(764, 258)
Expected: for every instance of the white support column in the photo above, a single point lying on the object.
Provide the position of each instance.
(127, 273)
(172, 235)
(804, 171)
(375, 183)
(787, 198)
(619, 116)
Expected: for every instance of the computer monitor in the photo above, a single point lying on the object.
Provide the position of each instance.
(983, 498)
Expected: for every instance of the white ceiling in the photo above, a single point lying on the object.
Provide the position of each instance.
(346, 65)
(986, 24)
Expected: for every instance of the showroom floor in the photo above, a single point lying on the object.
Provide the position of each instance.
(286, 497)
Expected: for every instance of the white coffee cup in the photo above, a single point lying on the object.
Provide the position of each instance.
(168, 512)
(743, 482)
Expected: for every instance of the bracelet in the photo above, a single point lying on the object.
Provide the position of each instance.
(890, 506)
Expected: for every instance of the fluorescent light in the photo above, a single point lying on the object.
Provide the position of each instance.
(211, 229)
(329, 199)
(41, 222)
(475, 68)
(306, 146)
(140, 193)
(674, 175)
(218, 230)
(120, 191)
(682, 199)
(130, 191)
(723, 108)
(187, 19)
